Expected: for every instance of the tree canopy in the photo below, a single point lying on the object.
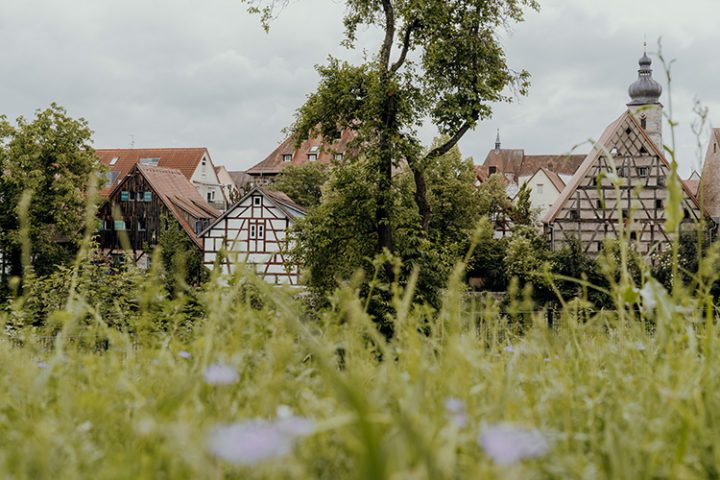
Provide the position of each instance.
(50, 156)
(438, 59)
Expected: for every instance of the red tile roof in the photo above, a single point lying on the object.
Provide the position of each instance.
(513, 163)
(179, 196)
(185, 160)
(274, 163)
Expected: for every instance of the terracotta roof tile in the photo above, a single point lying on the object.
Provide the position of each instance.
(513, 163)
(179, 195)
(274, 163)
(185, 160)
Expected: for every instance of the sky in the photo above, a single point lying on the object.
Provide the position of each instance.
(181, 73)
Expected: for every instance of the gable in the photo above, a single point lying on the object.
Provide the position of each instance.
(631, 151)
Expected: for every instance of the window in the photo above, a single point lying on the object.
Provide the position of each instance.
(114, 161)
(642, 171)
(338, 157)
(210, 196)
(257, 200)
(261, 231)
(124, 196)
(625, 214)
(312, 157)
(252, 231)
(198, 226)
(643, 121)
(112, 177)
(101, 225)
(686, 213)
(574, 214)
(141, 224)
(661, 181)
(119, 225)
(492, 170)
(598, 204)
(659, 204)
(600, 246)
(633, 236)
(148, 196)
(315, 149)
(539, 188)
(139, 196)
(150, 161)
(287, 157)
(623, 172)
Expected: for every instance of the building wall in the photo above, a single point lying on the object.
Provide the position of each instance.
(595, 211)
(255, 234)
(207, 183)
(543, 192)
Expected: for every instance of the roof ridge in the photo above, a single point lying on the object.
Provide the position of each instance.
(150, 148)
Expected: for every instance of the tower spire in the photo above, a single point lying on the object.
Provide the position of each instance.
(497, 141)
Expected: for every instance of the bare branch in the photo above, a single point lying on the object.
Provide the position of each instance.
(406, 46)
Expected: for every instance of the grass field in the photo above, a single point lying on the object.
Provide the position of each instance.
(259, 389)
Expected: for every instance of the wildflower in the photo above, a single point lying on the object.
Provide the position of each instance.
(41, 364)
(547, 359)
(283, 411)
(455, 409)
(254, 441)
(507, 444)
(639, 346)
(184, 354)
(219, 374)
(509, 349)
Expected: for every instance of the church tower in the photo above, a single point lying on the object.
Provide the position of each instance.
(645, 102)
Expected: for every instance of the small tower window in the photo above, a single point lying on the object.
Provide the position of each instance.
(643, 121)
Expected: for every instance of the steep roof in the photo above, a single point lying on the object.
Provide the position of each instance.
(274, 163)
(597, 151)
(178, 195)
(279, 199)
(241, 178)
(513, 163)
(122, 160)
(710, 180)
(552, 176)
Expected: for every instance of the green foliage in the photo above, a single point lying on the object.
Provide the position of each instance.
(494, 201)
(522, 212)
(338, 237)
(182, 260)
(303, 184)
(50, 157)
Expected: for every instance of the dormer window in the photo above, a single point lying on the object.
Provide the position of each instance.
(115, 160)
(287, 157)
(492, 170)
(150, 161)
(312, 157)
(338, 157)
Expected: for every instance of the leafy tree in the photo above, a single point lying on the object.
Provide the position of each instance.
(522, 213)
(338, 236)
(302, 183)
(51, 157)
(494, 201)
(181, 260)
(449, 67)
(527, 258)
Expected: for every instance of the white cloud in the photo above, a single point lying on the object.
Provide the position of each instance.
(183, 73)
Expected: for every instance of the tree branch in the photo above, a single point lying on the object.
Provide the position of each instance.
(452, 141)
(406, 46)
(389, 33)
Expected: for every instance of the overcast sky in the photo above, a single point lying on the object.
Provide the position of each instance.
(173, 73)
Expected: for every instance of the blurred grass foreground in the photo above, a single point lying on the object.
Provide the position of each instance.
(244, 380)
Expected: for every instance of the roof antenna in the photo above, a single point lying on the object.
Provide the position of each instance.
(132, 140)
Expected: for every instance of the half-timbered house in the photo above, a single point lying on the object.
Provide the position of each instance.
(255, 232)
(592, 207)
(135, 207)
(194, 163)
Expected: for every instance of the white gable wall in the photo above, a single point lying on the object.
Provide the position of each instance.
(207, 183)
(256, 235)
(543, 192)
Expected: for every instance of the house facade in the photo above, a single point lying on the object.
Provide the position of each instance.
(130, 219)
(592, 208)
(310, 150)
(255, 232)
(194, 163)
(709, 188)
(545, 188)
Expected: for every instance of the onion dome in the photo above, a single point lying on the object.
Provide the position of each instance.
(645, 90)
